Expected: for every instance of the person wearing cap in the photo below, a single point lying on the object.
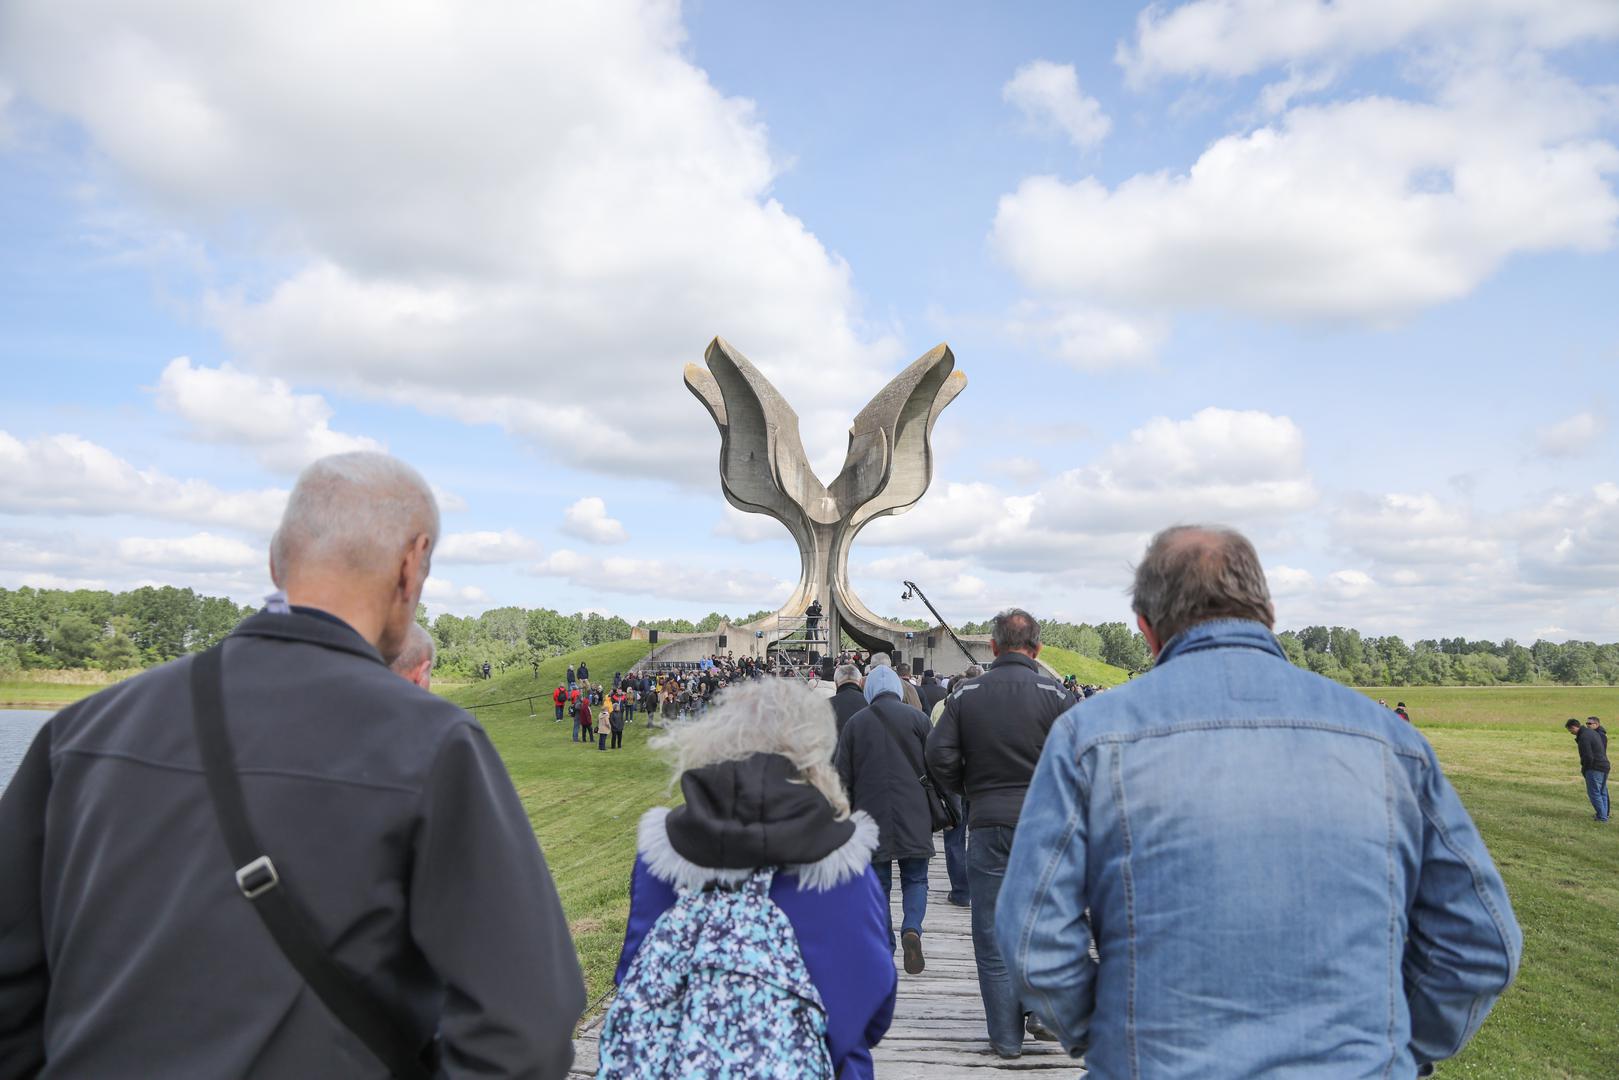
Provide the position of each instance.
(759, 792)
(1399, 710)
(1593, 765)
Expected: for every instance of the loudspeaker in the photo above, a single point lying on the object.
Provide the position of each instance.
(827, 668)
(652, 636)
(930, 641)
(814, 658)
(722, 641)
(898, 657)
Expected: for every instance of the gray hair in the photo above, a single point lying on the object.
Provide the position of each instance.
(972, 672)
(418, 647)
(1015, 630)
(845, 673)
(761, 716)
(1194, 573)
(881, 659)
(357, 510)
(902, 669)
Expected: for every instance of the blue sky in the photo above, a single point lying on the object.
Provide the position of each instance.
(1343, 275)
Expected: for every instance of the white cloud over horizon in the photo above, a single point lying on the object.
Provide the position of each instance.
(1048, 96)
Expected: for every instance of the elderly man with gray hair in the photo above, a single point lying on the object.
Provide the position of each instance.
(415, 661)
(1274, 871)
(275, 858)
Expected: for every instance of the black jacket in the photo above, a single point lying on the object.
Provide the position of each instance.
(990, 736)
(849, 700)
(126, 946)
(1593, 751)
(931, 694)
(883, 775)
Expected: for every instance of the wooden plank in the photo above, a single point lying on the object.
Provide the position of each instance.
(938, 1031)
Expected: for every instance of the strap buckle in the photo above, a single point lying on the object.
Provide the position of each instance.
(257, 877)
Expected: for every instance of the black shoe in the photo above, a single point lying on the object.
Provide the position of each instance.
(958, 901)
(1037, 1030)
(912, 942)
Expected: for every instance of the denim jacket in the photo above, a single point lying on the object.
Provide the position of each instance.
(1276, 875)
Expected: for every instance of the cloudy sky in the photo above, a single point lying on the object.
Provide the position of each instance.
(1341, 274)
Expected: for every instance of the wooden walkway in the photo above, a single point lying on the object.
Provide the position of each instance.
(938, 1031)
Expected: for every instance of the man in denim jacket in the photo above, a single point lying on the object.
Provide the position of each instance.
(1276, 875)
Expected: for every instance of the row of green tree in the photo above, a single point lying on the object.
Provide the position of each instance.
(79, 628)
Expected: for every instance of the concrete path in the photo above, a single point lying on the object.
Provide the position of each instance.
(938, 1031)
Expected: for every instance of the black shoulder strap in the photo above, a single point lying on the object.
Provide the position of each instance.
(351, 1003)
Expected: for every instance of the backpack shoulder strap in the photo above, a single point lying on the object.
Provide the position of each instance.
(259, 881)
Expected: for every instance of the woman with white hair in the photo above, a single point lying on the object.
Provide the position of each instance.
(761, 794)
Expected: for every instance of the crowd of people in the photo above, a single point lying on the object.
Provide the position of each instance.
(1230, 866)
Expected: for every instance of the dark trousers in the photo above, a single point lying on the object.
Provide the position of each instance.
(559, 712)
(955, 858)
(986, 867)
(580, 732)
(618, 738)
(913, 892)
(602, 744)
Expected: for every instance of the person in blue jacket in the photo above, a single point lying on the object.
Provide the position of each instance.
(760, 790)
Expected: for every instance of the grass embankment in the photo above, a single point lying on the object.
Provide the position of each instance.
(1083, 668)
(1517, 773)
(583, 803)
(54, 689)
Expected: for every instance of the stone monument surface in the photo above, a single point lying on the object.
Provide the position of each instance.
(764, 470)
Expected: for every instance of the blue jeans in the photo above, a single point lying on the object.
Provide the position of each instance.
(955, 858)
(913, 892)
(987, 852)
(1596, 789)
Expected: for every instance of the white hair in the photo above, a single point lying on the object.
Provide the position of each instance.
(846, 673)
(882, 659)
(764, 716)
(418, 647)
(359, 510)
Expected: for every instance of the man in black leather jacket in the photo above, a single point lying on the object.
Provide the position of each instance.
(985, 747)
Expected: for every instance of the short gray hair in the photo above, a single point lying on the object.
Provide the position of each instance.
(761, 716)
(1015, 629)
(357, 510)
(1195, 573)
(845, 673)
(881, 659)
(418, 647)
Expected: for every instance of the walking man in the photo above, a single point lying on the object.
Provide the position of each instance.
(1593, 750)
(135, 938)
(985, 747)
(879, 756)
(1317, 903)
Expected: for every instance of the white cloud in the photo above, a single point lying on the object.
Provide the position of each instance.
(202, 551)
(682, 580)
(587, 519)
(1049, 97)
(551, 207)
(749, 528)
(284, 430)
(440, 595)
(1415, 531)
(1369, 209)
(1239, 37)
(1088, 337)
(505, 546)
(65, 474)
(1243, 468)
(1571, 436)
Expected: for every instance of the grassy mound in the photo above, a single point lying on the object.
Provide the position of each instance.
(1082, 668)
(583, 803)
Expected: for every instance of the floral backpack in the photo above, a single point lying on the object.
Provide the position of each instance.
(718, 989)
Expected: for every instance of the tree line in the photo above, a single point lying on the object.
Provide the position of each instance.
(89, 628)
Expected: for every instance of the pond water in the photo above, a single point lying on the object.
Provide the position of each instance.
(17, 730)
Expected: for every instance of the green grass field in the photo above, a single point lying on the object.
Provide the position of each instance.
(1086, 670)
(28, 694)
(1503, 749)
(1516, 770)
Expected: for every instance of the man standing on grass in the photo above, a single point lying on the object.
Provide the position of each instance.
(1593, 765)
(397, 867)
(1274, 871)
